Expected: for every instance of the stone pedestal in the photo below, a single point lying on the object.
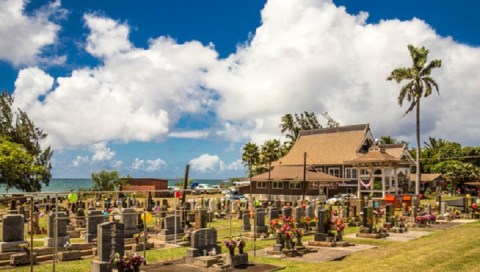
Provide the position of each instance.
(21, 259)
(10, 246)
(61, 241)
(99, 266)
(69, 255)
(236, 260)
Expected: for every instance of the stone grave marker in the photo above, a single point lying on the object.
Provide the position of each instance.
(287, 211)
(246, 226)
(203, 241)
(94, 218)
(259, 219)
(299, 214)
(274, 213)
(322, 231)
(129, 218)
(201, 218)
(110, 240)
(12, 232)
(61, 229)
(171, 227)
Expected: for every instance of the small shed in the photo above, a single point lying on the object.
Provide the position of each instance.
(158, 187)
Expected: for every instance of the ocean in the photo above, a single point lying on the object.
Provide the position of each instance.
(67, 185)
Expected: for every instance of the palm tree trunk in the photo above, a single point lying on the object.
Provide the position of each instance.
(417, 162)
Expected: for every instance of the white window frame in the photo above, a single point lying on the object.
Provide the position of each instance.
(294, 185)
(277, 185)
(350, 173)
(333, 170)
(261, 185)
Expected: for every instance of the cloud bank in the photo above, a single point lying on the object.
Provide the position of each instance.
(305, 56)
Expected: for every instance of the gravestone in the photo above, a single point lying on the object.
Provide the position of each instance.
(287, 212)
(171, 227)
(300, 217)
(79, 221)
(389, 213)
(246, 226)
(94, 218)
(274, 213)
(201, 218)
(310, 211)
(110, 240)
(212, 207)
(259, 219)
(62, 221)
(203, 241)
(322, 229)
(12, 232)
(129, 218)
(36, 226)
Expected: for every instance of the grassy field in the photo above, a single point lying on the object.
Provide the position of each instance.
(455, 249)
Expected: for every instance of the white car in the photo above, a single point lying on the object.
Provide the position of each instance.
(340, 199)
(203, 188)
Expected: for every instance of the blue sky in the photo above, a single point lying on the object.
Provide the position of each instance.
(146, 87)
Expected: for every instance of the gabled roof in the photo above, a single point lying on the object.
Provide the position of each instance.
(375, 155)
(428, 177)
(399, 151)
(328, 146)
(295, 173)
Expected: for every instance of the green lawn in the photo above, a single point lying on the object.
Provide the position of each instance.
(455, 249)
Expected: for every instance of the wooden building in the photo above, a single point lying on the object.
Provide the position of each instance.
(158, 187)
(332, 152)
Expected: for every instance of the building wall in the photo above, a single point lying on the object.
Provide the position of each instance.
(148, 184)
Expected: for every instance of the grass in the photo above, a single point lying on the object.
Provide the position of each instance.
(455, 249)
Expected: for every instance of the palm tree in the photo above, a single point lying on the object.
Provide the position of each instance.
(419, 84)
(250, 156)
(271, 151)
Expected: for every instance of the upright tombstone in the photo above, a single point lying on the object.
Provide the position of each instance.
(201, 218)
(246, 226)
(212, 207)
(61, 224)
(94, 218)
(322, 231)
(203, 241)
(287, 211)
(171, 227)
(310, 211)
(129, 218)
(300, 217)
(274, 213)
(110, 240)
(12, 232)
(79, 220)
(259, 219)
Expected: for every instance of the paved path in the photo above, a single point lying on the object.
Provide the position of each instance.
(397, 237)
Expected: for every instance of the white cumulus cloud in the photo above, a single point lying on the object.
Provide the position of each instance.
(101, 152)
(80, 160)
(210, 163)
(24, 36)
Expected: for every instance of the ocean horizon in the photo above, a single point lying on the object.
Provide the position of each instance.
(77, 184)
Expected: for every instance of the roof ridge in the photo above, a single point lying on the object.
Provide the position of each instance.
(334, 129)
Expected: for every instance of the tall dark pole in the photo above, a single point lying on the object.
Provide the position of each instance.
(269, 183)
(304, 175)
(185, 183)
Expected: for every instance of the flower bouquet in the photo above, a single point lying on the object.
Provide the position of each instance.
(241, 244)
(231, 244)
(25, 247)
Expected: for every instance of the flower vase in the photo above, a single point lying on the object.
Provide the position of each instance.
(240, 250)
(288, 244)
(299, 241)
(231, 250)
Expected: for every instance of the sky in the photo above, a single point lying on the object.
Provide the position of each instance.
(147, 87)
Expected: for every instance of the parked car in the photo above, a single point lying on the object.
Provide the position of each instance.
(203, 188)
(172, 190)
(340, 199)
(216, 189)
(237, 197)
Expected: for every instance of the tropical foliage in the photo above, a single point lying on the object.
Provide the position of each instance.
(107, 181)
(419, 84)
(25, 163)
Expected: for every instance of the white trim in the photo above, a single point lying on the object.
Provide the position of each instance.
(263, 183)
(298, 185)
(277, 185)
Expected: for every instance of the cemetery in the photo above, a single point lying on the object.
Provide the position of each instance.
(117, 231)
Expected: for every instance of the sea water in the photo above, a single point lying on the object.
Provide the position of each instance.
(67, 185)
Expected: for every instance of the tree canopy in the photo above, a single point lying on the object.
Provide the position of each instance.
(22, 142)
(107, 180)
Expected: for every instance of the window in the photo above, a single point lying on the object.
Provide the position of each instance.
(294, 185)
(261, 185)
(350, 173)
(277, 185)
(334, 172)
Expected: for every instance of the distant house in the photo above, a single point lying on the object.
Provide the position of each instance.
(145, 185)
(336, 153)
(430, 181)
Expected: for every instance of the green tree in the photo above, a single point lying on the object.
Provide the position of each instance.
(251, 157)
(271, 151)
(419, 83)
(107, 181)
(457, 172)
(181, 180)
(16, 127)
